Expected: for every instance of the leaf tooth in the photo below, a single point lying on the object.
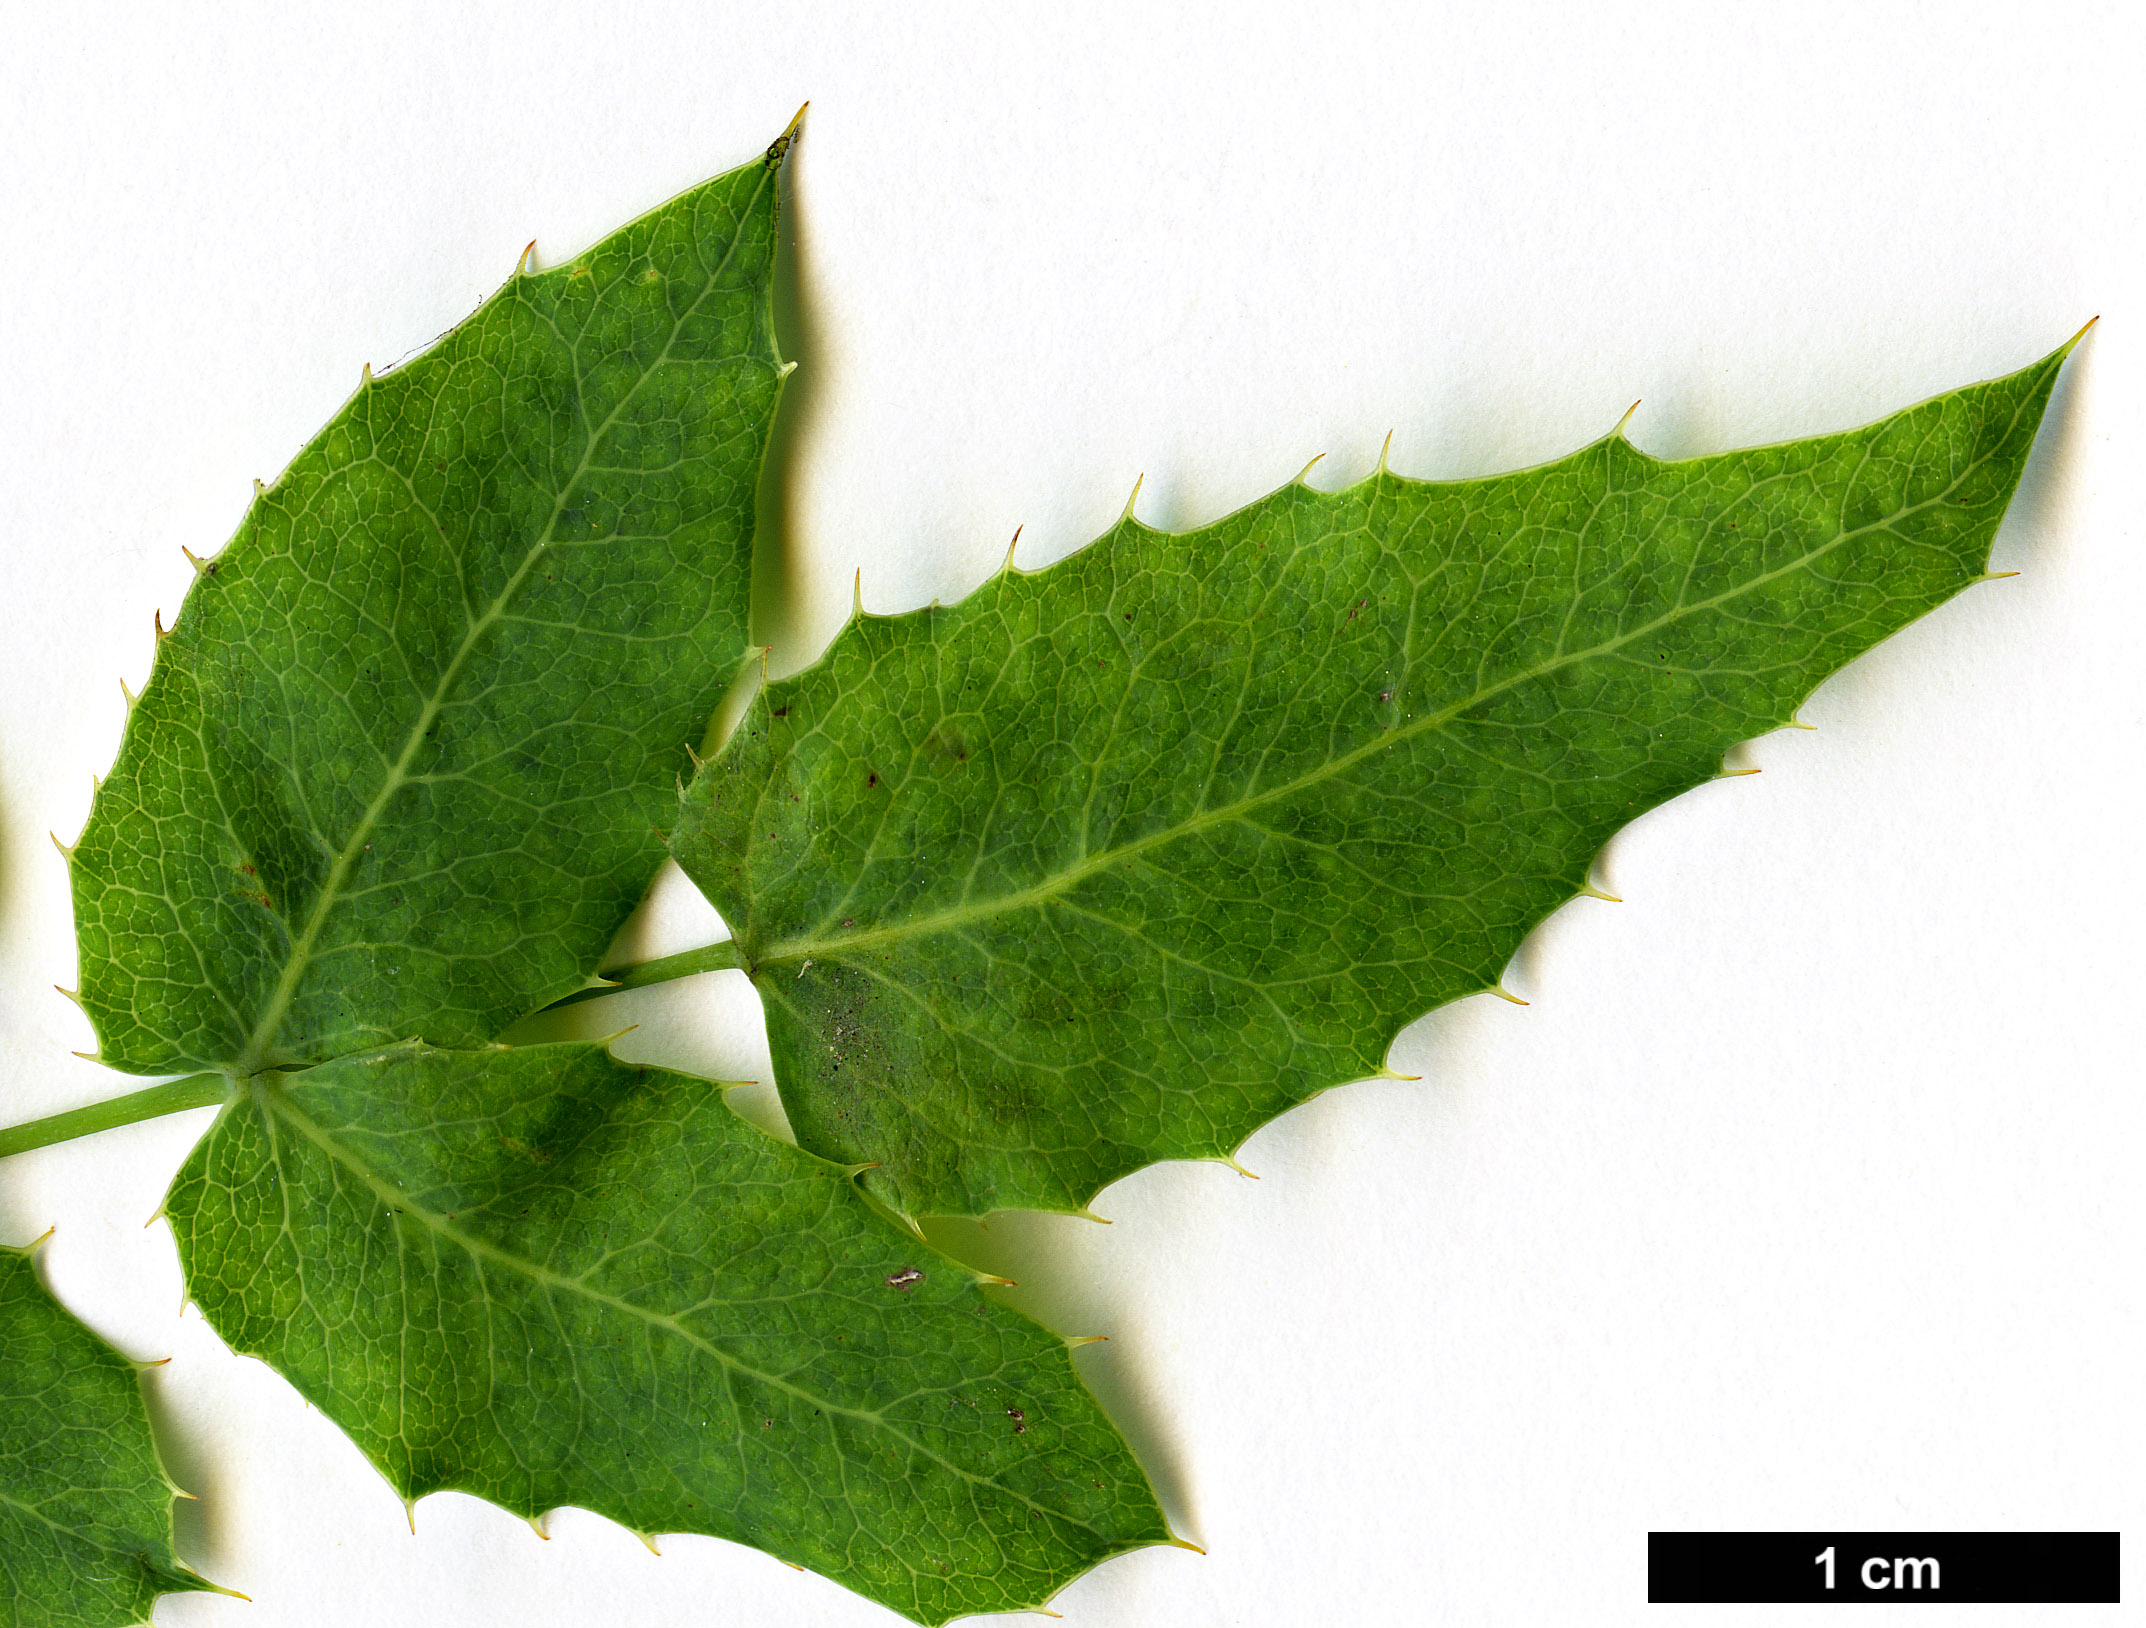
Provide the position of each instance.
(1305, 471)
(856, 602)
(162, 632)
(1384, 467)
(1589, 891)
(523, 266)
(1505, 994)
(1176, 1542)
(1618, 433)
(1248, 1175)
(132, 698)
(1075, 1341)
(365, 376)
(74, 995)
(536, 1522)
(1007, 567)
(648, 1542)
(1727, 773)
(260, 488)
(202, 567)
(67, 850)
(1132, 499)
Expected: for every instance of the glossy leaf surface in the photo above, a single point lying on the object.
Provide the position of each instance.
(1115, 861)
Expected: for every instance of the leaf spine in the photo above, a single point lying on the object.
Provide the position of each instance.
(1177, 1542)
(523, 265)
(1589, 891)
(260, 490)
(162, 632)
(1075, 1341)
(1248, 1175)
(74, 995)
(200, 565)
(1010, 547)
(1386, 468)
(1131, 500)
(1505, 994)
(1618, 433)
(784, 142)
(1306, 470)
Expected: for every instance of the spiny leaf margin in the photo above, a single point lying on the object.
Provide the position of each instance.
(1081, 872)
(85, 1505)
(544, 1277)
(397, 767)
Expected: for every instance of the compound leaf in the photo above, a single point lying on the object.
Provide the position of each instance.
(396, 767)
(545, 1277)
(1115, 861)
(85, 1510)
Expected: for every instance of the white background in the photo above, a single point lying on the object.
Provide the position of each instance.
(1803, 1195)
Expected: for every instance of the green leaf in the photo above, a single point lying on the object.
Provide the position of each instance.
(545, 1277)
(1113, 862)
(85, 1510)
(397, 764)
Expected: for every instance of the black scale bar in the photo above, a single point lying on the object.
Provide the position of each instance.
(1897, 1568)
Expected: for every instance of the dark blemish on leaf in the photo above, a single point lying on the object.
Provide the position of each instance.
(782, 712)
(1385, 695)
(872, 779)
(249, 870)
(1020, 1421)
(904, 1280)
(849, 921)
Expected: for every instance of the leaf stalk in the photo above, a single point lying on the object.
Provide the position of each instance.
(172, 1097)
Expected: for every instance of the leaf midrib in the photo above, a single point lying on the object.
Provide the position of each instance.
(257, 1053)
(275, 1101)
(1043, 892)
